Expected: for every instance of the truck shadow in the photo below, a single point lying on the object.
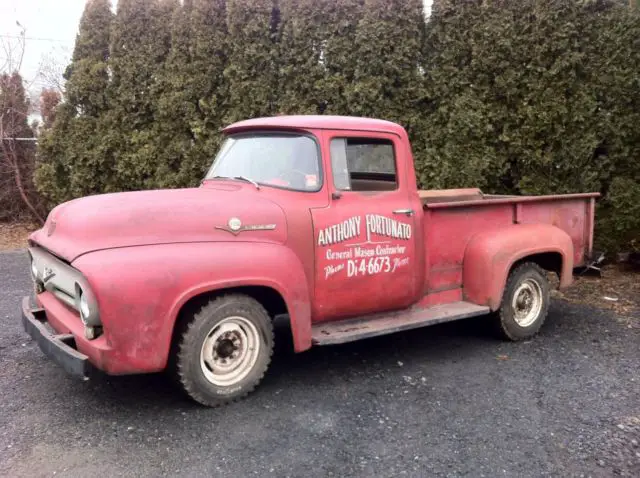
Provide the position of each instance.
(428, 342)
(454, 347)
(159, 390)
(464, 341)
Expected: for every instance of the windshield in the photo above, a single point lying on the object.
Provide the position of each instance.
(283, 160)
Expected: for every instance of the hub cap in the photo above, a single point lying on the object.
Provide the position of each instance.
(527, 303)
(230, 351)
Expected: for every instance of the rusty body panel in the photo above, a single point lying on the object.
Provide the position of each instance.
(128, 219)
(490, 255)
(345, 264)
(140, 307)
(470, 241)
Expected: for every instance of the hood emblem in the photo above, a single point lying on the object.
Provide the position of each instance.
(235, 224)
(47, 274)
(235, 227)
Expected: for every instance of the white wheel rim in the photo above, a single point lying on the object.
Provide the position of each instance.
(527, 302)
(230, 351)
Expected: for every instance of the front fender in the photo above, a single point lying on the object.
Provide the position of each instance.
(490, 255)
(140, 291)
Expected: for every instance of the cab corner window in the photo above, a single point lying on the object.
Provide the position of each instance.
(363, 164)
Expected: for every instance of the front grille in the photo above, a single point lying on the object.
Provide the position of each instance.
(58, 277)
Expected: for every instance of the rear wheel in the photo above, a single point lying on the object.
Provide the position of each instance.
(225, 350)
(525, 302)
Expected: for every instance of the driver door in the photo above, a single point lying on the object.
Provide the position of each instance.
(365, 252)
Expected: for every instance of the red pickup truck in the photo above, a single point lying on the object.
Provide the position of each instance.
(317, 218)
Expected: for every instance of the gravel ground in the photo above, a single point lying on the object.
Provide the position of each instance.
(447, 400)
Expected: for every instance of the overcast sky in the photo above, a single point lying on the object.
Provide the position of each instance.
(51, 27)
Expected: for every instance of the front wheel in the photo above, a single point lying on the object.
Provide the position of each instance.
(525, 302)
(225, 350)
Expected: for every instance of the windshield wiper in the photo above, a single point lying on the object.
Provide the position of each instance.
(244, 178)
(241, 178)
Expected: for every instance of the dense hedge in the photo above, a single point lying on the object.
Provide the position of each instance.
(537, 97)
(517, 96)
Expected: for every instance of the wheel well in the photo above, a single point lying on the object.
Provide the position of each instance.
(549, 261)
(270, 299)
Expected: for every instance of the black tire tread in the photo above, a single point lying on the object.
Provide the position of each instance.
(189, 336)
(514, 276)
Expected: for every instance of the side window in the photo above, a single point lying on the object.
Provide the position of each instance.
(363, 164)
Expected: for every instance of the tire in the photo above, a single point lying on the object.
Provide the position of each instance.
(525, 303)
(224, 351)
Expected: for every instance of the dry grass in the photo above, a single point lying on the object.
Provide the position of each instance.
(14, 235)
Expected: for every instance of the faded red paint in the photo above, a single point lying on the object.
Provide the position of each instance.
(146, 254)
(490, 254)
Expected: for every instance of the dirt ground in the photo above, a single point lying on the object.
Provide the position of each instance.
(14, 235)
(618, 290)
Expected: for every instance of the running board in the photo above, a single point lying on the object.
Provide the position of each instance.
(338, 332)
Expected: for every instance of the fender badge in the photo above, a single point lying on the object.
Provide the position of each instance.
(235, 227)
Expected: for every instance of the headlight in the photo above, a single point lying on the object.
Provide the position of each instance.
(84, 309)
(88, 314)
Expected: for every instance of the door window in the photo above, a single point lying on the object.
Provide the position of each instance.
(363, 164)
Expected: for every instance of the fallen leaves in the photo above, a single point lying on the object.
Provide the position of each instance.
(618, 290)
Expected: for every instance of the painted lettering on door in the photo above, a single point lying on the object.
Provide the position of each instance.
(381, 250)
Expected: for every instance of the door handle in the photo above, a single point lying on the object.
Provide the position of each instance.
(408, 212)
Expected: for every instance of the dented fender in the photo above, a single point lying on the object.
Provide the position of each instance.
(140, 291)
(490, 255)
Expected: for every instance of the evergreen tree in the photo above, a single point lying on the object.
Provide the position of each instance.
(87, 76)
(302, 71)
(535, 97)
(192, 101)
(513, 97)
(16, 152)
(527, 96)
(140, 43)
(387, 83)
(339, 56)
(177, 104)
(253, 66)
(453, 150)
(71, 162)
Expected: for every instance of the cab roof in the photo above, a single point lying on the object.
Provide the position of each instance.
(307, 122)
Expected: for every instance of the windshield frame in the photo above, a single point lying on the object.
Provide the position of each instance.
(278, 133)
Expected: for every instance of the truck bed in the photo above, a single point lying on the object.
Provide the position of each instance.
(454, 216)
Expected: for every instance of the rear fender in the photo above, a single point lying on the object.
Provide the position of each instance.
(490, 255)
(141, 290)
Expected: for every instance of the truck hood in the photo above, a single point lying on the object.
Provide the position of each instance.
(139, 218)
